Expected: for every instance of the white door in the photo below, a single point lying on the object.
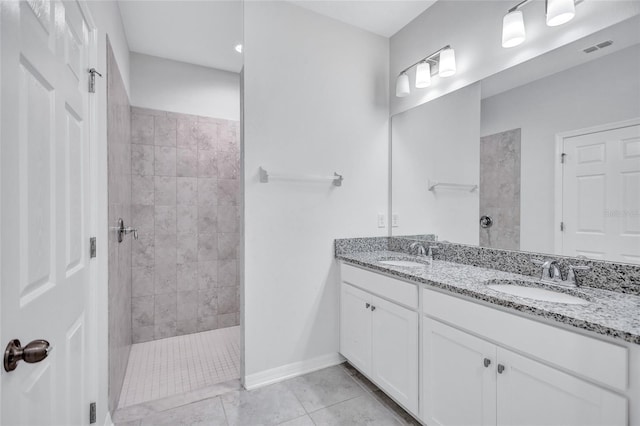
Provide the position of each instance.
(355, 326)
(394, 354)
(601, 195)
(530, 393)
(459, 377)
(44, 215)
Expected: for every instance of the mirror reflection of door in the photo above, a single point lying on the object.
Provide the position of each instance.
(601, 194)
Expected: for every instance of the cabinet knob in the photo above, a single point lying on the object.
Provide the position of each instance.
(373, 308)
(487, 362)
(500, 368)
(367, 305)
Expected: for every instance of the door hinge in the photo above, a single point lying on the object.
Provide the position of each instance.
(92, 413)
(92, 247)
(561, 226)
(92, 79)
(563, 157)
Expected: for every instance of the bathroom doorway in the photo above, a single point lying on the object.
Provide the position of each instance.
(174, 167)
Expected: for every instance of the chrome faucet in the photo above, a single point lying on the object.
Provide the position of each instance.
(420, 250)
(551, 273)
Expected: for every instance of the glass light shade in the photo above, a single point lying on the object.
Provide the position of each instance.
(560, 12)
(447, 63)
(513, 29)
(423, 75)
(402, 85)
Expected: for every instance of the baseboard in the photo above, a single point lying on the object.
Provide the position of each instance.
(289, 371)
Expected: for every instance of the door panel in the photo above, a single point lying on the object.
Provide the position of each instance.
(44, 183)
(355, 326)
(530, 393)
(457, 387)
(395, 351)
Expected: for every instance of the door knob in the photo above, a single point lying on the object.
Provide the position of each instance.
(500, 368)
(34, 352)
(373, 308)
(487, 362)
(367, 305)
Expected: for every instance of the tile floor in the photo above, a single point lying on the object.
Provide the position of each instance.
(333, 396)
(180, 365)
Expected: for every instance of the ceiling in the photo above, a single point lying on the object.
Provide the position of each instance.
(206, 32)
(197, 32)
(382, 17)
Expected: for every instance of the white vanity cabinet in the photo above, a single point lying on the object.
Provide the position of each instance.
(469, 379)
(379, 332)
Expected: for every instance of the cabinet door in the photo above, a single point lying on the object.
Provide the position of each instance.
(530, 393)
(395, 351)
(457, 387)
(355, 326)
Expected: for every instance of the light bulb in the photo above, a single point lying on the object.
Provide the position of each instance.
(238, 48)
(513, 32)
(447, 62)
(423, 75)
(402, 85)
(560, 12)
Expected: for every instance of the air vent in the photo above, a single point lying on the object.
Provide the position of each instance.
(598, 46)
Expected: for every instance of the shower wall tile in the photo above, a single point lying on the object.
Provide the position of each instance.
(142, 281)
(165, 131)
(187, 162)
(187, 220)
(228, 191)
(207, 275)
(120, 254)
(165, 161)
(141, 128)
(142, 160)
(144, 217)
(142, 189)
(187, 276)
(181, 208)
(165, 190)
(187, 190)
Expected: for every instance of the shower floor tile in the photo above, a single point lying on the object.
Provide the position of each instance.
(180, 364)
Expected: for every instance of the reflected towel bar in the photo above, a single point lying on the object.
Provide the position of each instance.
(434, 184)
(336, 179)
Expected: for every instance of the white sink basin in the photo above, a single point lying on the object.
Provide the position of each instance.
(538, 294)
(402, 263)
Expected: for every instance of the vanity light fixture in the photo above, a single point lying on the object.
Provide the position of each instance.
(513, 32)
(557, 12)
(423, 75)
(560, 12)
(402, 85)
(443, 60)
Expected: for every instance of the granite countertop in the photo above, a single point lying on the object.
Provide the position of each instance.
(607, 312)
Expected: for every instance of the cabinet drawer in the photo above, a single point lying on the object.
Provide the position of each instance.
(398, 291)
(597, 360)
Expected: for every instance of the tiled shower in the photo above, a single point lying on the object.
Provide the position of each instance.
(185, 197)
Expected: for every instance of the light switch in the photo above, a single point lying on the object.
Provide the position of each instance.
(382, 220)
(395, 220)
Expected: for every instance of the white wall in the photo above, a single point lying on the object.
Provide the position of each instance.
(168, 85)
(106, 17)
(438, 141)
(473, 29)
(315, 103)
(601, 91)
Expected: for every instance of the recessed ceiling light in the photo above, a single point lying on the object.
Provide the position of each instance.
(238, 48)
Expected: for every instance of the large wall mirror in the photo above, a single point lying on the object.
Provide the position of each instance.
(542, 157)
